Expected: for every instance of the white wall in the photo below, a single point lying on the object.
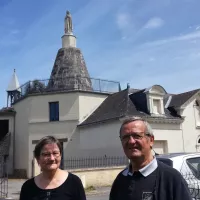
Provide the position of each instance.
(32, 120)
(39, 124)
(72, 147)
(171, 133)
(88, 102)
(190, 129)
(32, 123)
(103, 139)
(68, 107)
(97, 140)
(22, 109)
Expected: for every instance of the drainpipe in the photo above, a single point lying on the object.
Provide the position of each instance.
(183, 137)
(14, 145)
(196, 124)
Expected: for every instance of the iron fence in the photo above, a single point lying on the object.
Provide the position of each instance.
(66, 84)
(3, 177)
(95, 162)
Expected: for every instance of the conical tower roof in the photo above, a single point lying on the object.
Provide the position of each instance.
(69, 71)
(14, 83)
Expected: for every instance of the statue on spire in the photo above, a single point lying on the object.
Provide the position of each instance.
(68, 23)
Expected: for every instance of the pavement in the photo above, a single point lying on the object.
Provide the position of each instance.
(14, 187)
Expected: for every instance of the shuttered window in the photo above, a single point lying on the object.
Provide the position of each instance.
(53, 111)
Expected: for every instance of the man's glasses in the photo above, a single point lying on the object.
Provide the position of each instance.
(48, 154)
(135, 136)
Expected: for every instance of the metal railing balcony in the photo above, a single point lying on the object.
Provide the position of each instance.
(74, 83)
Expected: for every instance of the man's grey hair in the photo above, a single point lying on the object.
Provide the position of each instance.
(148, 129)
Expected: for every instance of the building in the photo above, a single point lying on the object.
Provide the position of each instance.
(85, 114)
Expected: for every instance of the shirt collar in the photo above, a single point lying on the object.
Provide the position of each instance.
(145, 171)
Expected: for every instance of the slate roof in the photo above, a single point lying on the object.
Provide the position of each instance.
(7, 111)
(114, 106)
(128, 102)
(179, 99)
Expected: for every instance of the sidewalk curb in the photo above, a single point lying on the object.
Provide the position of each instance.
(7, 198)
(96, 192)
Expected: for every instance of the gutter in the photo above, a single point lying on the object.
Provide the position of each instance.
(14, 144)
(99, 122)
(183, 137)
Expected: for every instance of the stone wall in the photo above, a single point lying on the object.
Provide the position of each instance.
(98, 177)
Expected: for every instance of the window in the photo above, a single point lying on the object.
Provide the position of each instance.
(156, 106)
(198, 144)
(4, 127)
(197, 113)
(54, 111)
(194, 165)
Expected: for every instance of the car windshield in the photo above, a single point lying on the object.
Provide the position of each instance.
(194, 165)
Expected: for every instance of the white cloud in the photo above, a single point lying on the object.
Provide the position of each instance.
(152, 59)
(193, 36)
(163, 62)
(15, 31)
(154, 23)
(91, 13)
(194, 41)
(189, 36)
(194, 55)
(198, 27)
(123, 20)
(126, 25)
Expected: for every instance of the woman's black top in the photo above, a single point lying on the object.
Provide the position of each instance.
(71, 189)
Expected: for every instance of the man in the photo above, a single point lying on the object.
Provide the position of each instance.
(145, 178)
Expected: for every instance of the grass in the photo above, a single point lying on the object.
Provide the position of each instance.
(90, 188)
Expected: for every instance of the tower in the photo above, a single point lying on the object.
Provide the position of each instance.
(13, 89)
(69, 71)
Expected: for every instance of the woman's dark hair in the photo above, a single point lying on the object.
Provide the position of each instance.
(42, 142)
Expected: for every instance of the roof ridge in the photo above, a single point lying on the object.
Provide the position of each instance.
(187, 92)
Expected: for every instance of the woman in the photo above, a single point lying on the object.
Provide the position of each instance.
(52, 183)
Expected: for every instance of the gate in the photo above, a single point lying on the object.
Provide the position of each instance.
(3, 177)
(4, 153)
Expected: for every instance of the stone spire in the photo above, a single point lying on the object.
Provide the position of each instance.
(13, 89)
(69, 71)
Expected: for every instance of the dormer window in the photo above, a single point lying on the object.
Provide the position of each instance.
(157, 107)
(155, 96)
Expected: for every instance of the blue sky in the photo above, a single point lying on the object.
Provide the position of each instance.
(141, 42)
